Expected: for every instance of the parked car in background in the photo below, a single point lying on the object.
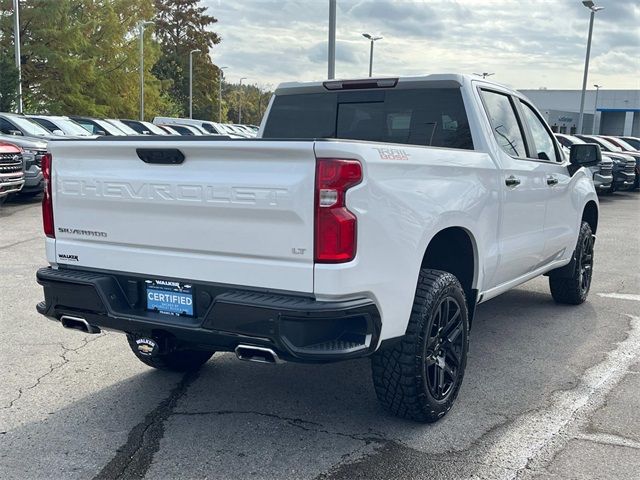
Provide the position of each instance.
(59, 125)
(122, 126)
(207, 127)
(245, 129)
(619, 142)
(184, 129)
(628, 149)
(602, 173)
(633, 141)
(170, 130)
(609, 147)
(145, 128)
(11, 170)
(99, 127)
(19, 125)
(33, 149)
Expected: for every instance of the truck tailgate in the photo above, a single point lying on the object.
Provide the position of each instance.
(233, 212)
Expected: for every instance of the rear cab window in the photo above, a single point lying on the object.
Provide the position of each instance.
(412, 116)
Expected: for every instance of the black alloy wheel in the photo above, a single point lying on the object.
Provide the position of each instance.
(586, 264)
(572, 287)
(443, 349)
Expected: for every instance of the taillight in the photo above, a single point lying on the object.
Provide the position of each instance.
(336, 227)
(47, 200)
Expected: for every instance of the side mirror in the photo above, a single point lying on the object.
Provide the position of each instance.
(15, 133)
(100, 132)
(58, 132)
(585, 155)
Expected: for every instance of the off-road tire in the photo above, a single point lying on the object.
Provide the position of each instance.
(401, 373)
(573, 290)
(174, 361)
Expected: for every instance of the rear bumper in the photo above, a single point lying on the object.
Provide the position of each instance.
(297, 328)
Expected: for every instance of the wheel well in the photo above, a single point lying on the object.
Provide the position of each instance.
(452, 250)
(590, 215)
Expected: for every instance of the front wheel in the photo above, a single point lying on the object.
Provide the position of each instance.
(419, 377)
(573, 288)
(174, 361)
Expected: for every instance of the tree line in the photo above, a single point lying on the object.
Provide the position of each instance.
(81, 57)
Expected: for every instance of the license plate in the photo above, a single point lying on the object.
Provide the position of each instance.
(169, 298)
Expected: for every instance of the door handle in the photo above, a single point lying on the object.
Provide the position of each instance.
(161, 156)
(551, 181)
(512, 181)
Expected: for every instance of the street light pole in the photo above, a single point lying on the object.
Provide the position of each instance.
(16, 42)
(220, 69)
(595, 110)
(371, 39)
(191, 81)
(591, 6)
(240, 101)
(332, 40)
(141, 25)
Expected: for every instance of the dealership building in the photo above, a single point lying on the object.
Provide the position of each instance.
(607, 112)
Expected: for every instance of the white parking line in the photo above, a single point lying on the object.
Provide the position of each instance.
(528, 435)
(621, 296)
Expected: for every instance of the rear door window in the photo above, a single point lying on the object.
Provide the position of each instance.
(430, 117)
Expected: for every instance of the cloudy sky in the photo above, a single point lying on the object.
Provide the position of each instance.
(528, 44)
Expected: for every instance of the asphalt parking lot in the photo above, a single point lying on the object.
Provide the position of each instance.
(550, 391)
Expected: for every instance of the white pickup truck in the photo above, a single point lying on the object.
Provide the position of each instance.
(369, 219)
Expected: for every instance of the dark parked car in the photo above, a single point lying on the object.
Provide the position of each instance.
(628, 149)
(602, 173)
(11, 170)
(610, 147)
(33, 149)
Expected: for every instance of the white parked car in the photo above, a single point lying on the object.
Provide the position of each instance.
(207, 127)
(419, 199)
(60, 125)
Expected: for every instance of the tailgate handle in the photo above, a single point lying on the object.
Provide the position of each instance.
(160, 156)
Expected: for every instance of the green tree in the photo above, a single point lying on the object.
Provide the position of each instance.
(254, 102)
(81, 56)
(182, 26)
(8, 82)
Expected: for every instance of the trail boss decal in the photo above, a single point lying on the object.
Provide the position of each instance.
(392, 154)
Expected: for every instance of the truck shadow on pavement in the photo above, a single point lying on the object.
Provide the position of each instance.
(237, 419)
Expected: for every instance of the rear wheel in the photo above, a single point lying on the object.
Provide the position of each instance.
(175, 360)
(419, 377)
(573, 288)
